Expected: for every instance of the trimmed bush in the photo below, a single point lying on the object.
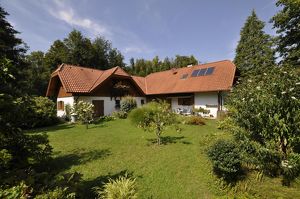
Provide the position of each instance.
(226, 160)
(121, 188)
(195, 120)
(127, 104)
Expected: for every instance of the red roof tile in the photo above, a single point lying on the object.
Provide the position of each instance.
(170, 81)
(77, 79)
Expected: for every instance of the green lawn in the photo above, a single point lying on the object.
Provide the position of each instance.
(177, 169)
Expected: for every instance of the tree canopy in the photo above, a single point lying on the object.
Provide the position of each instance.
(254, 50)
(144, 67)
(79, 50)
(287, 25)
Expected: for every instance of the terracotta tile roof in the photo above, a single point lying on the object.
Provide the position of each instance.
(170, 81)
(141, 82)
(77, 79)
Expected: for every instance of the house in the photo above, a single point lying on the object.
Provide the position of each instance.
(204, 85)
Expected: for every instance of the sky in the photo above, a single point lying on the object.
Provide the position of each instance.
(207, 29)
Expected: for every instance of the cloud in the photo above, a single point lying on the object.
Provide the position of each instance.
(138, 50)
(67, 14)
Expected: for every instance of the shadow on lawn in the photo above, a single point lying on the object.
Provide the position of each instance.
(77, 157)
(169, 140)
(86, 187)
(51, 128)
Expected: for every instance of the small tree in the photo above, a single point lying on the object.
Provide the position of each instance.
(84, 112)
(154, 117)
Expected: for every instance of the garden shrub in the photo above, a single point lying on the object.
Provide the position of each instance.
(128, 103)
(105, 118)
(57, 193)
(195, 120)
(120, 114)
(68, 109)
(84, 112)
(201, 110)
(290, 168)
(121, 188)
(226, 160)
(35, 112)
(21, 191)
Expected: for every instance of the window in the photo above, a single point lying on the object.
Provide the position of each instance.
(210, 71)
(187, 101)
(195, 72)
(118, 105)
(60, 105)
(142, 102)
(202, 72)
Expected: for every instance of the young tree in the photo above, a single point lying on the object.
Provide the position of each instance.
(254, 50)
(287, 23)
(154, 117)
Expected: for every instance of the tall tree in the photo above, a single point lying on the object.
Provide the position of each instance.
(56, 55)
(254, 50)
(287, 23)
(115, 58)
(79, 50)
(38, 73)
(13, 49)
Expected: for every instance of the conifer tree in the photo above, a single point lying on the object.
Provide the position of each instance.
(254, 51)
(287, 22)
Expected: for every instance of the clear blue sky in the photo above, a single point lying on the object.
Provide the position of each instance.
(208, 29)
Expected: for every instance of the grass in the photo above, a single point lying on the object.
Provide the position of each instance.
(177, 169)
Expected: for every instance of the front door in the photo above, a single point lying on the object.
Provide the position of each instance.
(98, 107)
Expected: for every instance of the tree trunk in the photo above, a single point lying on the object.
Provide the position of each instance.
(158, 136)
(283, 146)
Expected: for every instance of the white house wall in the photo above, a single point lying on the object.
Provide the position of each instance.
(109, 103)
(208, 98)
(66, 100)
(200, 100)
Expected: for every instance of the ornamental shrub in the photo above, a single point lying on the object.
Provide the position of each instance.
(120, 114)
(128, 103)
(84, 112)
(195, 120)
(121, 188)
(226, 160)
